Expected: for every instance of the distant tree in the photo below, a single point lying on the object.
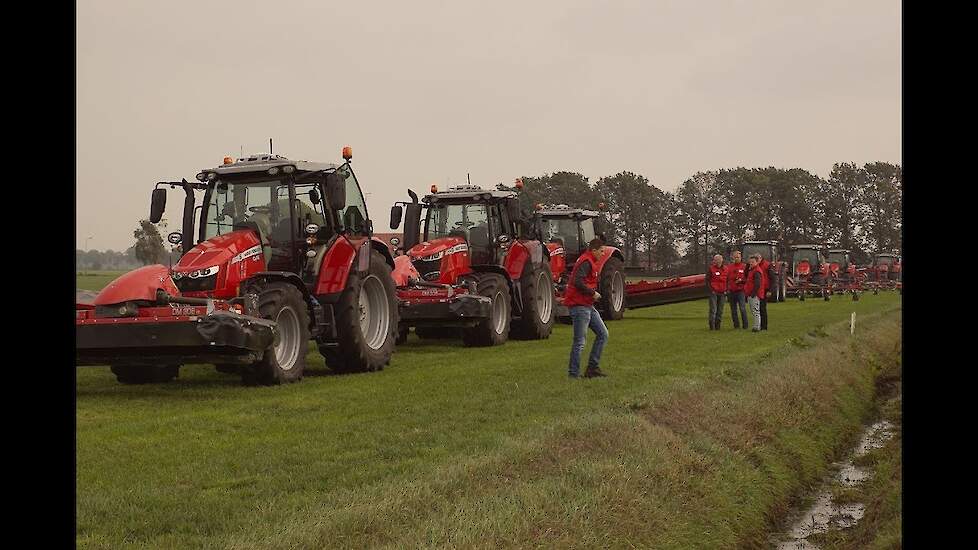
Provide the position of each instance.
(148, 248)
(632, 206)
(844, 212)
(698, 217)
(882, 198)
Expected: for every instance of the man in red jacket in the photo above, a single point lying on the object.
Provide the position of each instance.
(765, 267)
(753, 288)
(736, 277)
(579, 298)
(717, 278)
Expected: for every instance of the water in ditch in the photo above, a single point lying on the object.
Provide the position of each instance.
(824, 514)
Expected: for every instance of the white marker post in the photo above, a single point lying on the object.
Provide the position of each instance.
(852, 324)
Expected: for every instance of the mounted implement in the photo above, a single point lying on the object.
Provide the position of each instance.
(474, 269)
(283, 254)
(568, 230)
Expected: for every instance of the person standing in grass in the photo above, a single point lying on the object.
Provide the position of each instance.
(765, 267)
(736, 277)
(753, 288)
(717, 278)
(579, 298)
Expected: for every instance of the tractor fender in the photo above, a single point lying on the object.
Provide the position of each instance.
(263, 277)
(335, 267)
(384, 250)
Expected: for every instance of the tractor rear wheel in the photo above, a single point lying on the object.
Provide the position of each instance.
(537, 321)
(611, 286)
(494, 330)
(366, 321)
(138, 374)
(285, 360)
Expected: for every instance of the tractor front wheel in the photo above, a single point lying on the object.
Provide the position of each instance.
(537, 320)
(366, 321)
(285, 360)
(138, 374)
(495, 329)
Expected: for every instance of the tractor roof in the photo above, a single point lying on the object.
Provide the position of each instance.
(564, 210)
(262, 163)
(806, 247)
(463, 193)
(887, 255)
(772, 243)
(839, 251)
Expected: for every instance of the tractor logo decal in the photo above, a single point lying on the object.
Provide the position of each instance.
(253, 251)
(557, 251)
(461, 247)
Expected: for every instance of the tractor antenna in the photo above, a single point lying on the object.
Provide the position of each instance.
(269, 146)
(468, 178)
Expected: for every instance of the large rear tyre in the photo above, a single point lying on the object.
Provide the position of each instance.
(494, 330)
(138, 374)
(285, 360)
(537, 321)
(366, 321)
(611, 286)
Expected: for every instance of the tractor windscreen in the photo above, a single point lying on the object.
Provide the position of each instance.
(751, 249)
(837, 258)
(810, 256)
(457, 220)
(562, 230)
(264, 203)
(887, 260)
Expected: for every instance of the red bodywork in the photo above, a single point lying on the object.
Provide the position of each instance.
(238, 255)
(140, 284)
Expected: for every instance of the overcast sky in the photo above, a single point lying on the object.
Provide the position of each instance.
(426, 91)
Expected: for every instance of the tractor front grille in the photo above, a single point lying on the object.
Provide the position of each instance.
(426, 267)
(186, 284)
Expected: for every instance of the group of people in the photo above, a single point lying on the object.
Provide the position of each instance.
(741, 284)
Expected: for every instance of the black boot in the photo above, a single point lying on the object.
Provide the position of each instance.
(594, 373)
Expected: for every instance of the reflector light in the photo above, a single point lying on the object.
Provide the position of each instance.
(601, 206)
(228, 160)
(434, 188)
(347, 152)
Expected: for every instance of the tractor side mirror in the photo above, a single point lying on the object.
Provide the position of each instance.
(396, 213)
(412, 225)
(157, 205)
(336, 191)
(314, 196)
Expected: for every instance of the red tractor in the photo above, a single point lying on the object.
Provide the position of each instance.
(777, 270)
(283, 254)
(476, 268)
(885, 273)
(568, 231)
(809, 274)
(844, 277)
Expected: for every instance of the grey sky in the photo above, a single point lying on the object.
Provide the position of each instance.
(426, 91)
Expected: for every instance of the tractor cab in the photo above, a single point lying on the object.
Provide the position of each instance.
(767, 249)
(839, 262)
(464, 226)
(890, 264)
(566, 232)
(275, 212)
(806, 259)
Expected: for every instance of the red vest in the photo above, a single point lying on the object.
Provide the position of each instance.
(764, 266)
(718, 278)
(573, 296)
(749, 285)
(737, 277)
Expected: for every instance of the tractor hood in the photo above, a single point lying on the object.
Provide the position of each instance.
(219, 251)
(430, 251)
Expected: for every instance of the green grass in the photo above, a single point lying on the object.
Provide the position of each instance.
(697, 439)
(94, 280)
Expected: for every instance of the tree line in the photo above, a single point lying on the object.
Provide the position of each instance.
(856, 207)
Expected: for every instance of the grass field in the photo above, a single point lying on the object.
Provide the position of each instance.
(697, 439)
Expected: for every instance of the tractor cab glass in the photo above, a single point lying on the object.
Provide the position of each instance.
(563, 231)
(353, 216)
(838, 258)
(806, 255)
(884, 260)
(762, 249)
(468, 221)
(263, 205)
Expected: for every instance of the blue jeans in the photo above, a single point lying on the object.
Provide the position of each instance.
(738, 301)
(584, 317)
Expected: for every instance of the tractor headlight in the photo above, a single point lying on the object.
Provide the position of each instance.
(204, 272)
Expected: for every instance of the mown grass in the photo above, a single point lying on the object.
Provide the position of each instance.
(94, 280)
(697, 439)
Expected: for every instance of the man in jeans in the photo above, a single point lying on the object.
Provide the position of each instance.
(753, 288)
(579, 298)
(717, 279)
(736, 277)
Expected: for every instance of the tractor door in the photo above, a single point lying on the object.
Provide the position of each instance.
(499, 224)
